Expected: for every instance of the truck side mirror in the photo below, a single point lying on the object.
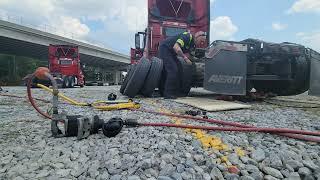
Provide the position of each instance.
(137, 41)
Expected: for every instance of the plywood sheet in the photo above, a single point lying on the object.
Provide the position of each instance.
(211, 104)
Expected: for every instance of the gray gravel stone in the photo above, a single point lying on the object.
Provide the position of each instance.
(269, 177)
(257, 175)
(116, 177)
(231, 177)
(310, 164)
(176, 176)
(294, 164)
(251, 168)
(164, 178)
(206, 176)
(134, 177)
(63, 172)
(274, 161)
(168, 169)
(258, 155)
(216, 174)
(304, 171)
(273, 172)
(234, 159)
(294, 176)
(246, 178)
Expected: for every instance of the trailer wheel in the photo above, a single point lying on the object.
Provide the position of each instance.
(153, 78)
(71, 81)
(127, 78)
(139, 75)
(186, 77)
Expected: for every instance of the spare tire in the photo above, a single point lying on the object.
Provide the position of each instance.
(153, 78)
(139, 75)
(127, 78)
(186, 76)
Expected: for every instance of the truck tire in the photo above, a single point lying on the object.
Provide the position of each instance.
(139, 75)
(186, 76)
(126, 79)
(71, 81)
(65, 82)
(153, 78)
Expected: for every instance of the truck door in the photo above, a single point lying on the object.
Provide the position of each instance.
(314, 73)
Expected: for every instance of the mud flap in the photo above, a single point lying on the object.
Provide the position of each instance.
(315, 74)
(226, 68)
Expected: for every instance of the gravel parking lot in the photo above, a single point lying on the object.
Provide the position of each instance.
(29, 152)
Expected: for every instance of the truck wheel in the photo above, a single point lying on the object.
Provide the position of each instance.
(127, 78)
(71, 82)
(186, 77)
(153, 78)
(65, 82)
(139, 75)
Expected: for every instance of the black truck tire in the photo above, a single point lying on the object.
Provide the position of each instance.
(186, 77)
(139, 75)
(153, 78)
(127, 78)
(71, 82)
(65, 82)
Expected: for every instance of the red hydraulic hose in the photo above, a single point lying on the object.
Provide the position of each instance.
(255, 129)
(215, 121)
(32, 100)
(295, 136)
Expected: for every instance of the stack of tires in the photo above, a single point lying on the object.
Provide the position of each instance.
(147, 75)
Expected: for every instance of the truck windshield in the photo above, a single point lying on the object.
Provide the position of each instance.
(170, 31)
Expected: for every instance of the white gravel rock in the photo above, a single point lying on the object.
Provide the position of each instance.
(28, 151)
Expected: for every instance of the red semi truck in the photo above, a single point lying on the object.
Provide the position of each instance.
(64, 64)
(168, 18)
(227, 67)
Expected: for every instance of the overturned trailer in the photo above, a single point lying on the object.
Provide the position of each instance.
(234, 68)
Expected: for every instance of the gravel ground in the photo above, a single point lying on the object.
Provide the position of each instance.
(29, 152)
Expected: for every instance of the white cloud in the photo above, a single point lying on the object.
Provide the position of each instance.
(68, 27)
(222, 28)
(311, 40)
(305, 6)
(120, 19)
(279, 26)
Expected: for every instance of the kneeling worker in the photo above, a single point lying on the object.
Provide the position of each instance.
(169, 49)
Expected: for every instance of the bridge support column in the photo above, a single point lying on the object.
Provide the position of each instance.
(116, 77)
(12, 67)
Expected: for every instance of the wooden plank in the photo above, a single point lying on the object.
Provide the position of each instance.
(211, 104)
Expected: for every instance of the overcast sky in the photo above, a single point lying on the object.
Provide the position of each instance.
(112, 24)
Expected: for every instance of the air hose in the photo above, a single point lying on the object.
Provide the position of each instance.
(115, 126)
(296, 134)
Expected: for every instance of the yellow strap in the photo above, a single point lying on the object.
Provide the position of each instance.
(181, 42)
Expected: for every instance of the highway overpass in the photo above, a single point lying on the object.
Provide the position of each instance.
(24, 41)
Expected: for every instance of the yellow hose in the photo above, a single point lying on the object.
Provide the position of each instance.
(71, 101)
(129, 105)
(111, 107)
